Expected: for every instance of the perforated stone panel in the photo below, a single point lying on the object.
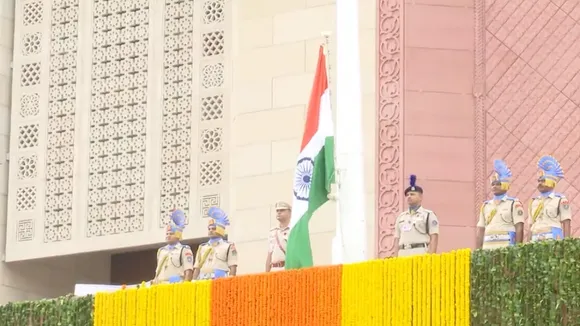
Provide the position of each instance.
(212, 164)
(118, 117)
(28, 123)
(62, 97)
(110, 134)
(533, 91)
(178, 70)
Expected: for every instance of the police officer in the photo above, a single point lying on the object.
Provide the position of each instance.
(417, 228)
(501, 219)
(278, 238)
(549, 213)
(216, 258)
(174, 260)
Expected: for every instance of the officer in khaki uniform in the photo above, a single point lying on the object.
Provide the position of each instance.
(501, 219)
(278, 238)
(416, 229)
(549, 213)
(217, 258)
(174, 260)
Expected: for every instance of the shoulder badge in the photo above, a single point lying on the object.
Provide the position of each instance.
(233, 249)
(559, 195)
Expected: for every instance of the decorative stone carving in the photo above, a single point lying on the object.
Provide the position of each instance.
(32, 13)
(28, 136)
(389, 123)
(26, 198)
(213, 75)
(211, 140)
(31, 43)
(480, 114)
(213, 43)
(25, 230)
(27, 167)
(213, 11)
(30, 74)
(29, 105)
(178, 63)
(210, 173)
(61, 121)
(207, 202)
(118, 117)
(212, 108)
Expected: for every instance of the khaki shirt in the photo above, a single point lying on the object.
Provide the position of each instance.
(218, 255)
(548, 212)
(498, 219)
(169, 262)
(416, 227)
(277, 241)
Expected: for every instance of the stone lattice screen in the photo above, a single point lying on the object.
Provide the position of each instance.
(115, 121)
(532, 75)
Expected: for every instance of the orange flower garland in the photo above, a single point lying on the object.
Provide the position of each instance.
(305, 297)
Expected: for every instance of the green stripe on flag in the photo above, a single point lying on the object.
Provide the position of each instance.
(299, 250)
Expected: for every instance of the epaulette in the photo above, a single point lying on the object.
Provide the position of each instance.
(559, 195)
(204, 244)
(512, 198)
(487, 201)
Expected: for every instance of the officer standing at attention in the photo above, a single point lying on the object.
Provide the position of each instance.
(278, 238)
(216, 258)
(416, 229)
(174, 260)
(549, 212)
(501, 219)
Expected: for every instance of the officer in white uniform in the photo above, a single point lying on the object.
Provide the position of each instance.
(417, 228)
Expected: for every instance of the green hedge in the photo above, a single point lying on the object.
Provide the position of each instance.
(63, 311)
(533, 284)
(530, 285)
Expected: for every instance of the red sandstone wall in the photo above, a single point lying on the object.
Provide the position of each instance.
(533, 90)
(462, 82)
(425, 114)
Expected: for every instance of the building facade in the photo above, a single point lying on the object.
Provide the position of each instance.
(114, 112)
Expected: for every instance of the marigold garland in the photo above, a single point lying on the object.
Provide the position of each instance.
(305, 297)
(364, 295)
(419, 290)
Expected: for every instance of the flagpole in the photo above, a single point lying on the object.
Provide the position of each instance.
(350, 156)
(337, 244)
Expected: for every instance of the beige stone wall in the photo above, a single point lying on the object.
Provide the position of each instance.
(40, 278)
(273, 56)
(275, 49)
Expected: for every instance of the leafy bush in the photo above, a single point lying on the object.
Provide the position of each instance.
(531, 284)
(64, 311)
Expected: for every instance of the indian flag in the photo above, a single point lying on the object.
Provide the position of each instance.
(314, 169)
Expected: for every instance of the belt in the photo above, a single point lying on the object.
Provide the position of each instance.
(279, 264)
(414, 246)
